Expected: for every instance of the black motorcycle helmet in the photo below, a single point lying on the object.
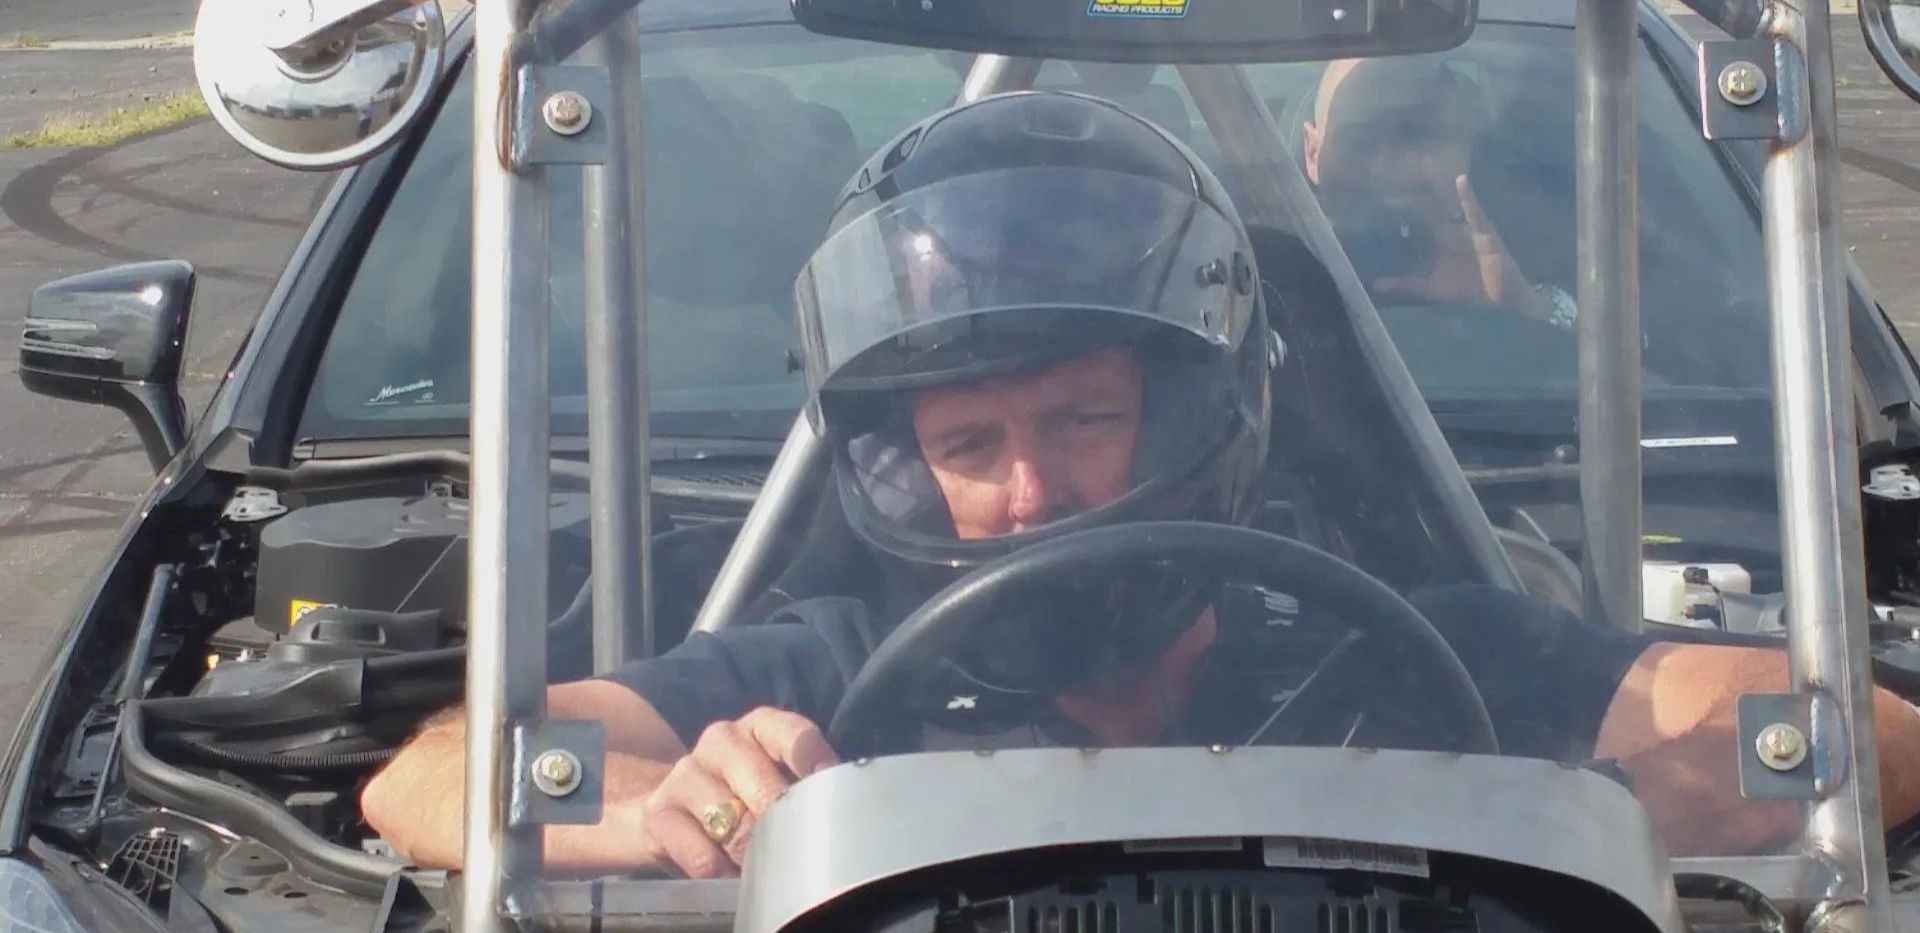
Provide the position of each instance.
(1006, 235)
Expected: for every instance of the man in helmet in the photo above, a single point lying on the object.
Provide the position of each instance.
(1031, 315)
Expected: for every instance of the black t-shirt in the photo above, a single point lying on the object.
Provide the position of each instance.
(1546, 675)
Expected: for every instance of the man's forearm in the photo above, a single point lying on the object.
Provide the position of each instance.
(416, 804)
(417, 800)
(1674, 725)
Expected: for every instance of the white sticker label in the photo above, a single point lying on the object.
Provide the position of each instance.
(1713, 440)
(1304, 852)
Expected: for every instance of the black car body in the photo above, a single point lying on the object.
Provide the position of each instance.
(65, 809)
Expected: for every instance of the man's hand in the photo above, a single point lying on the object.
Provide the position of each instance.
(1471, 265)
(735, 772)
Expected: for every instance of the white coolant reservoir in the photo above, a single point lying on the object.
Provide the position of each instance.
(1687, 593)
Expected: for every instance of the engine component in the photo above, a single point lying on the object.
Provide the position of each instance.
(329, 633)
(393, 555)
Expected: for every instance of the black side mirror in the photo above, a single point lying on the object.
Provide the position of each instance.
(115, 337)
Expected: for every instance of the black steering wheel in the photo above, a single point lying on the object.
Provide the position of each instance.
(1429, 677)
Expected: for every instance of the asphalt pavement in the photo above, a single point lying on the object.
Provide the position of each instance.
(55, 20)
(69, 472)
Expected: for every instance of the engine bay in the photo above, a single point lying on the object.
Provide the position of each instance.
(283, 652)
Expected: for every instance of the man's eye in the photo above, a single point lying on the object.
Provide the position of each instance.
(965, 447)
(1094, 419)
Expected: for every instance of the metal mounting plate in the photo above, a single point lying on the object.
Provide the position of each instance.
(539, 143)
(586, 741)
(1757, 711)
(1723, 119)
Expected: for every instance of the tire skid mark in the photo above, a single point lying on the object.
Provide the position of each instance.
(17, 470)
(21, 523)
(1893, 170)
(114, 502)
(15, 530)
(27, 200)
(126, 183)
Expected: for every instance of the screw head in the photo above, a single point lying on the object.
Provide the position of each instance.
(1781, 747)
(556, 773)
(566, 112)
(1742, 83)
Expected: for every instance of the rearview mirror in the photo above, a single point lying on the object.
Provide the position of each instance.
(116, 338)
(1892, 29)
(1167, 31)
(317, 84)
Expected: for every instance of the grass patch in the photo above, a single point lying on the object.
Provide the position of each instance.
(116, 125)
(25, 40)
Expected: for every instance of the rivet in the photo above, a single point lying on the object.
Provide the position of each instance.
(556, 773)
(1742, 83)
(1781, 747)
(567, 113)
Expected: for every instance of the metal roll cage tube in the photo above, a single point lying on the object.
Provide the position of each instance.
(1818, 462)
(1607, 204)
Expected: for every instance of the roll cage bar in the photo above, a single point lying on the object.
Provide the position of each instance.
(526, 103)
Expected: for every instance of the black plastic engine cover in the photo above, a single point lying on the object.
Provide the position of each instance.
(394, 555)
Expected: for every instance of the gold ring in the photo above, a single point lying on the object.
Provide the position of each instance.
(721, 819)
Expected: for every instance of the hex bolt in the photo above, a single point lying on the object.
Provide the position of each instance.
(1742, 83)
(1781, 746)
(556, 773)
(566, 113)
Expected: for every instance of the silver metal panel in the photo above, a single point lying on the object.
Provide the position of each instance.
(1721, 118)
(1784, 879)
(574, 800)
(601, 904)
(620, 420)
(1819, 469)
(590, 145)
(1607, 194)
(1758, 711)
(507, 550)
(856, 824)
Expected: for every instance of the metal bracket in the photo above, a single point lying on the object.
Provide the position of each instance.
(255, 504)
(1770, 766)
(1894, 481)
(559, 768)
(1739, 91)
(541, 143)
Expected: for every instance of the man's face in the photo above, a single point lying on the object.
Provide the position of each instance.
(1015, 453)
(1385, 167)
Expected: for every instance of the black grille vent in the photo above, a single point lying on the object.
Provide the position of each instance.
(1199, 908)
(1190, 909)
(146, 865)
(1354, 917)
(1093, 916)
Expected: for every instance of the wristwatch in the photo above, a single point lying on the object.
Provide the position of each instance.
(1565, 310)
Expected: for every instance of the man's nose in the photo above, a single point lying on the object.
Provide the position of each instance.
(1029, 503)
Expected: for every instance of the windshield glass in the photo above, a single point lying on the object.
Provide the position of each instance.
(1054, 315)
(751, 131)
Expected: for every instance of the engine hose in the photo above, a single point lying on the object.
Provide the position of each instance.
(296, 764)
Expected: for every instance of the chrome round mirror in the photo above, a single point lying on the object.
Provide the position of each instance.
(1892, 29)
(317, 84)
